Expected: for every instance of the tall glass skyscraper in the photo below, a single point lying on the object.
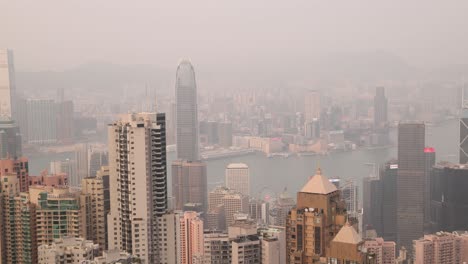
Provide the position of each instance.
(186, 112)
(7, 83)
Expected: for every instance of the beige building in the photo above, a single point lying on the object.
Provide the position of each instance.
(217, 248)
(238, 178)
(169, 238)
(271, 251)
(68, 250)
(137, 183)
(441, 247)
(382, 251)
(234, 203)
(246, 249)
(346, 247)
(97, 225)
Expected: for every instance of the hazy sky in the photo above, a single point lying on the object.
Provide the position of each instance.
(57, 34)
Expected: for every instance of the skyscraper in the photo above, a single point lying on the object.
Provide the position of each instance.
(189, 183)
(41, 121)
(10, 139)
(191, 237)
(311, 105)
(186, 112)
(7, 84)
(238, 178)
(380, 108)
(441, 247)
(138, 184)
(319, 215)
(410, 182)
(430, 159)
(464, 130)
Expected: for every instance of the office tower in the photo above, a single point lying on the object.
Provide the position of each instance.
(189, 183)
(81, 163)
(18, 242)
(97, 225)
(388, 176)
(19, 167)
(215, 219)
(280, 209)
(238, 178)
(97, 159)
(410, 183)
(138, 183)
(381, 251)
(42, 121)
(234, 203)
(449, 197)
(429, 162)
(317, 218)
(346, 246)
(65, 128)
(191, 237)
(311, 105)
(68, 250)
(217, 248)
(441, 247)
(225, 134)
(257, 210)
(463, 146)
(10, 139)
(60, 212)
(380, 108)
(372, 204)
(349, 193)
(7, 84)
(186, 112)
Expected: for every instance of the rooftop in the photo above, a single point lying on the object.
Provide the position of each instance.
(237, 166)
(347, 234)
(319, 184)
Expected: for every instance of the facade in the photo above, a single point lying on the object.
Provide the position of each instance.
(273, 244)
(441, 247)
(238, 178)
(449, 198)
(65, 127)
(246, 249)
(346, 247)
(170, 238)
(42, 121)
(137, 183)
(68, 250)
(317, 218)
(18, 243)
(18, 166)
(7, 84)
(10, 139)
(372, 204)
(233, 204)
(217, 248)
(81, 162)
(97, 159)
(189, 183)
(225, 134)
(430, 160)
(410, 183)
(186, 113)
(51, 180)
(281, 207)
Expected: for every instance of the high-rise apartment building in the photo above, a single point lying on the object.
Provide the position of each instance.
(410, 183)
(381, 251)
(7, 84)
(10, 139)
(138, 184)
(18, 243)
(238, 178)
(170, 237)
(96, 229)
(60, 212)
(246, 249)
(186, 112)
(449, 198)
(273, 244)
(189, 183)
(191, 237)
(217, 248)
(380, 108)
(317, 218)
(441, 247)
(19, 167)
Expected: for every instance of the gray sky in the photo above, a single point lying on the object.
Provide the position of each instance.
(57, 34)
